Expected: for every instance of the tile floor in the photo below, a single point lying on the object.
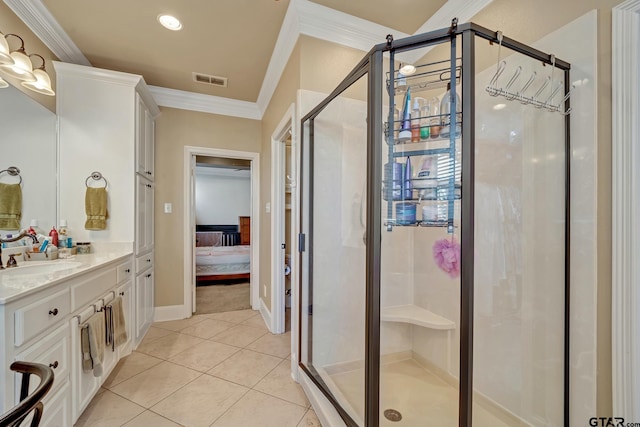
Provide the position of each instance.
(218, 370)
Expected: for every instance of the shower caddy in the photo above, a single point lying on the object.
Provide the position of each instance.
(382, 138)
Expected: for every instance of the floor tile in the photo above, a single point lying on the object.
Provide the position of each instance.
(201, 402)
(233, 316)
(239, 336)
(279, 383)
(107, 410)
(207, 328)
(275, 345)
(150, 419)
(204, 356)
(256, 322)
(259, 409)
(129, 366)
(310, 419)
(245, 367)
(151, 386)
(169, 346)
(155, 333)
(177, 325)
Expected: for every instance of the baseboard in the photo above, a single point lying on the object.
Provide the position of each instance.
(170, 312)
(325, 411)
(266, 315)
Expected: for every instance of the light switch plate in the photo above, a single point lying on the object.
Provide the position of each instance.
(168, 207)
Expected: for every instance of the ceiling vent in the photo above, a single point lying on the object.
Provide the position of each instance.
(210, 80)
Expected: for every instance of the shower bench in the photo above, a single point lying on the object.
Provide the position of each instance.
(416, 316)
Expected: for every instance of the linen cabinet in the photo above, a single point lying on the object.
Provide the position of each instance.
(106, 125)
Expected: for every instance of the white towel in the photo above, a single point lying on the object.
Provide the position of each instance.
(96, 336)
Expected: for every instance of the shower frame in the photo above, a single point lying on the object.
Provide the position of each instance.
(372, 65)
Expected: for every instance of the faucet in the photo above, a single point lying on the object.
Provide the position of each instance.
(22, 235)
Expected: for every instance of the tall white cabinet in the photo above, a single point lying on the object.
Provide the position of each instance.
(106, 124)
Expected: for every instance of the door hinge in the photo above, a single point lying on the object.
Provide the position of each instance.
(301, 242)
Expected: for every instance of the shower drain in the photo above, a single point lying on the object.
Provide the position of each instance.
(392, 415)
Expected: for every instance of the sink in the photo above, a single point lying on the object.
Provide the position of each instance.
(27, 268)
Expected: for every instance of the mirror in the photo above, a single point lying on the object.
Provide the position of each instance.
(28, 142)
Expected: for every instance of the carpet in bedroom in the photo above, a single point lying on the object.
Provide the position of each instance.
(219, 298)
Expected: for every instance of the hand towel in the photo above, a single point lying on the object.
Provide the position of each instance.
(95, 206)
(10, 206)
(87, 363)
(108, 322)
(119, 325)
(96, 330)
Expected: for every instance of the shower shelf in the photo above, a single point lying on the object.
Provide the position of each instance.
(416, 316)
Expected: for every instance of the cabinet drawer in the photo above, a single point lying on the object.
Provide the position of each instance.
(92, 287)
(144, 262)
(36, 317)
(52, 351)
(125, 272)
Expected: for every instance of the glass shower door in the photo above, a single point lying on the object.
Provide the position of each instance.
(334, 153)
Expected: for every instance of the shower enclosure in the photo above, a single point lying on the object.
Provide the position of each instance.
(434, 243)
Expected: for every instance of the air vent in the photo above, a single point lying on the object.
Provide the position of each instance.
(210, 80)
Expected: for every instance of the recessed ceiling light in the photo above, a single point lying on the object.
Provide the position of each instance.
(407, 69)
(170, 22)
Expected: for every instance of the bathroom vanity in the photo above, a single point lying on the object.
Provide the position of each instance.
(42, 306)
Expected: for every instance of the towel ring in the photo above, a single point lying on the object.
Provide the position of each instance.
(13, 171)
(96, 176)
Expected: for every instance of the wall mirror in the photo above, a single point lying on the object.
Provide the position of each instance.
(28, 142)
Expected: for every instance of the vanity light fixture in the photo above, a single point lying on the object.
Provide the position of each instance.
(3, 83)
(22, 68)
(43, 81)
(170, 22)
(5, 54)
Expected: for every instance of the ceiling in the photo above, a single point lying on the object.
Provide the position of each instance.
(246, 41)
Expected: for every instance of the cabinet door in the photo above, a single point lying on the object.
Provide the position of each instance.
(144, 215)
(149, 144)
(149, 290)
(84, 385)
(144, 303)
(124, 292)
(141, 138)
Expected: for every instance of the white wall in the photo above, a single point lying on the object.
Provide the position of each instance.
(222, 195)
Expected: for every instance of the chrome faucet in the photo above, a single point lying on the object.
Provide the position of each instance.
(22, 235)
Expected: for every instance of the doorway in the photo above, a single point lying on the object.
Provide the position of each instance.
(223, 240)
(284, 218)
(220, 236)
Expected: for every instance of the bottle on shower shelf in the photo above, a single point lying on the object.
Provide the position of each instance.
(445, 110)
(434, 122)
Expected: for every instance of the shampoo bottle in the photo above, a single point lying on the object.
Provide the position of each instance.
(53, 234)
(415, 121)
(445, 110)
(405, 128)
(408, 176)
(435, 118)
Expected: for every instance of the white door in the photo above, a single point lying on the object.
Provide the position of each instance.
(192, 228)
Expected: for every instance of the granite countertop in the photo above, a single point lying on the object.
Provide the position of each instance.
(32, 276)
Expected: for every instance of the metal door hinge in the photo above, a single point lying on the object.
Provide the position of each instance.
(301, 242)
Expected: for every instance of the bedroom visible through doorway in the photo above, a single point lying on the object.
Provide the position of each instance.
(222, 199)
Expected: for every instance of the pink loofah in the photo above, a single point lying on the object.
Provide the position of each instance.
(446, 254)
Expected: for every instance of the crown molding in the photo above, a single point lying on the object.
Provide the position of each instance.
(37, 17)
(285, 43)
(82, 71)
(334, 26)
(205, 103)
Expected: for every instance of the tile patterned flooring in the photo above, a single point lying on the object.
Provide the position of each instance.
(211, 370)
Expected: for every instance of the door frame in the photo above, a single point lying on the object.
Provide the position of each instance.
(278, 181)
(190, 214)
(626, 209)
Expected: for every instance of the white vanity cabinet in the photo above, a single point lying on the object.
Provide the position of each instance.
(144, 294)
(43, 325)
(106, 124)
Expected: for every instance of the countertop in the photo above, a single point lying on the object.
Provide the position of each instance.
(19, 282)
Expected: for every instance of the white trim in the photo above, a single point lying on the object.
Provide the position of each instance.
(192, 101)
(286, 42)
(325, 411)
(626, 209)
(169, 312)
(266, 315)
(189, 275)
(338, 27)
(37, 17)
(278, 182)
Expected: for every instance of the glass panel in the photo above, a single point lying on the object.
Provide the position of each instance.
(334, 155)
(519, 250)
(420, 298)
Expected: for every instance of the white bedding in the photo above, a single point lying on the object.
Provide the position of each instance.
(222, 260)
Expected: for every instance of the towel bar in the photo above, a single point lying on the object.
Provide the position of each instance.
(96, 176)
(13, 171)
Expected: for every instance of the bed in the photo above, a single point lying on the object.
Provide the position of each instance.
(219, 256)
